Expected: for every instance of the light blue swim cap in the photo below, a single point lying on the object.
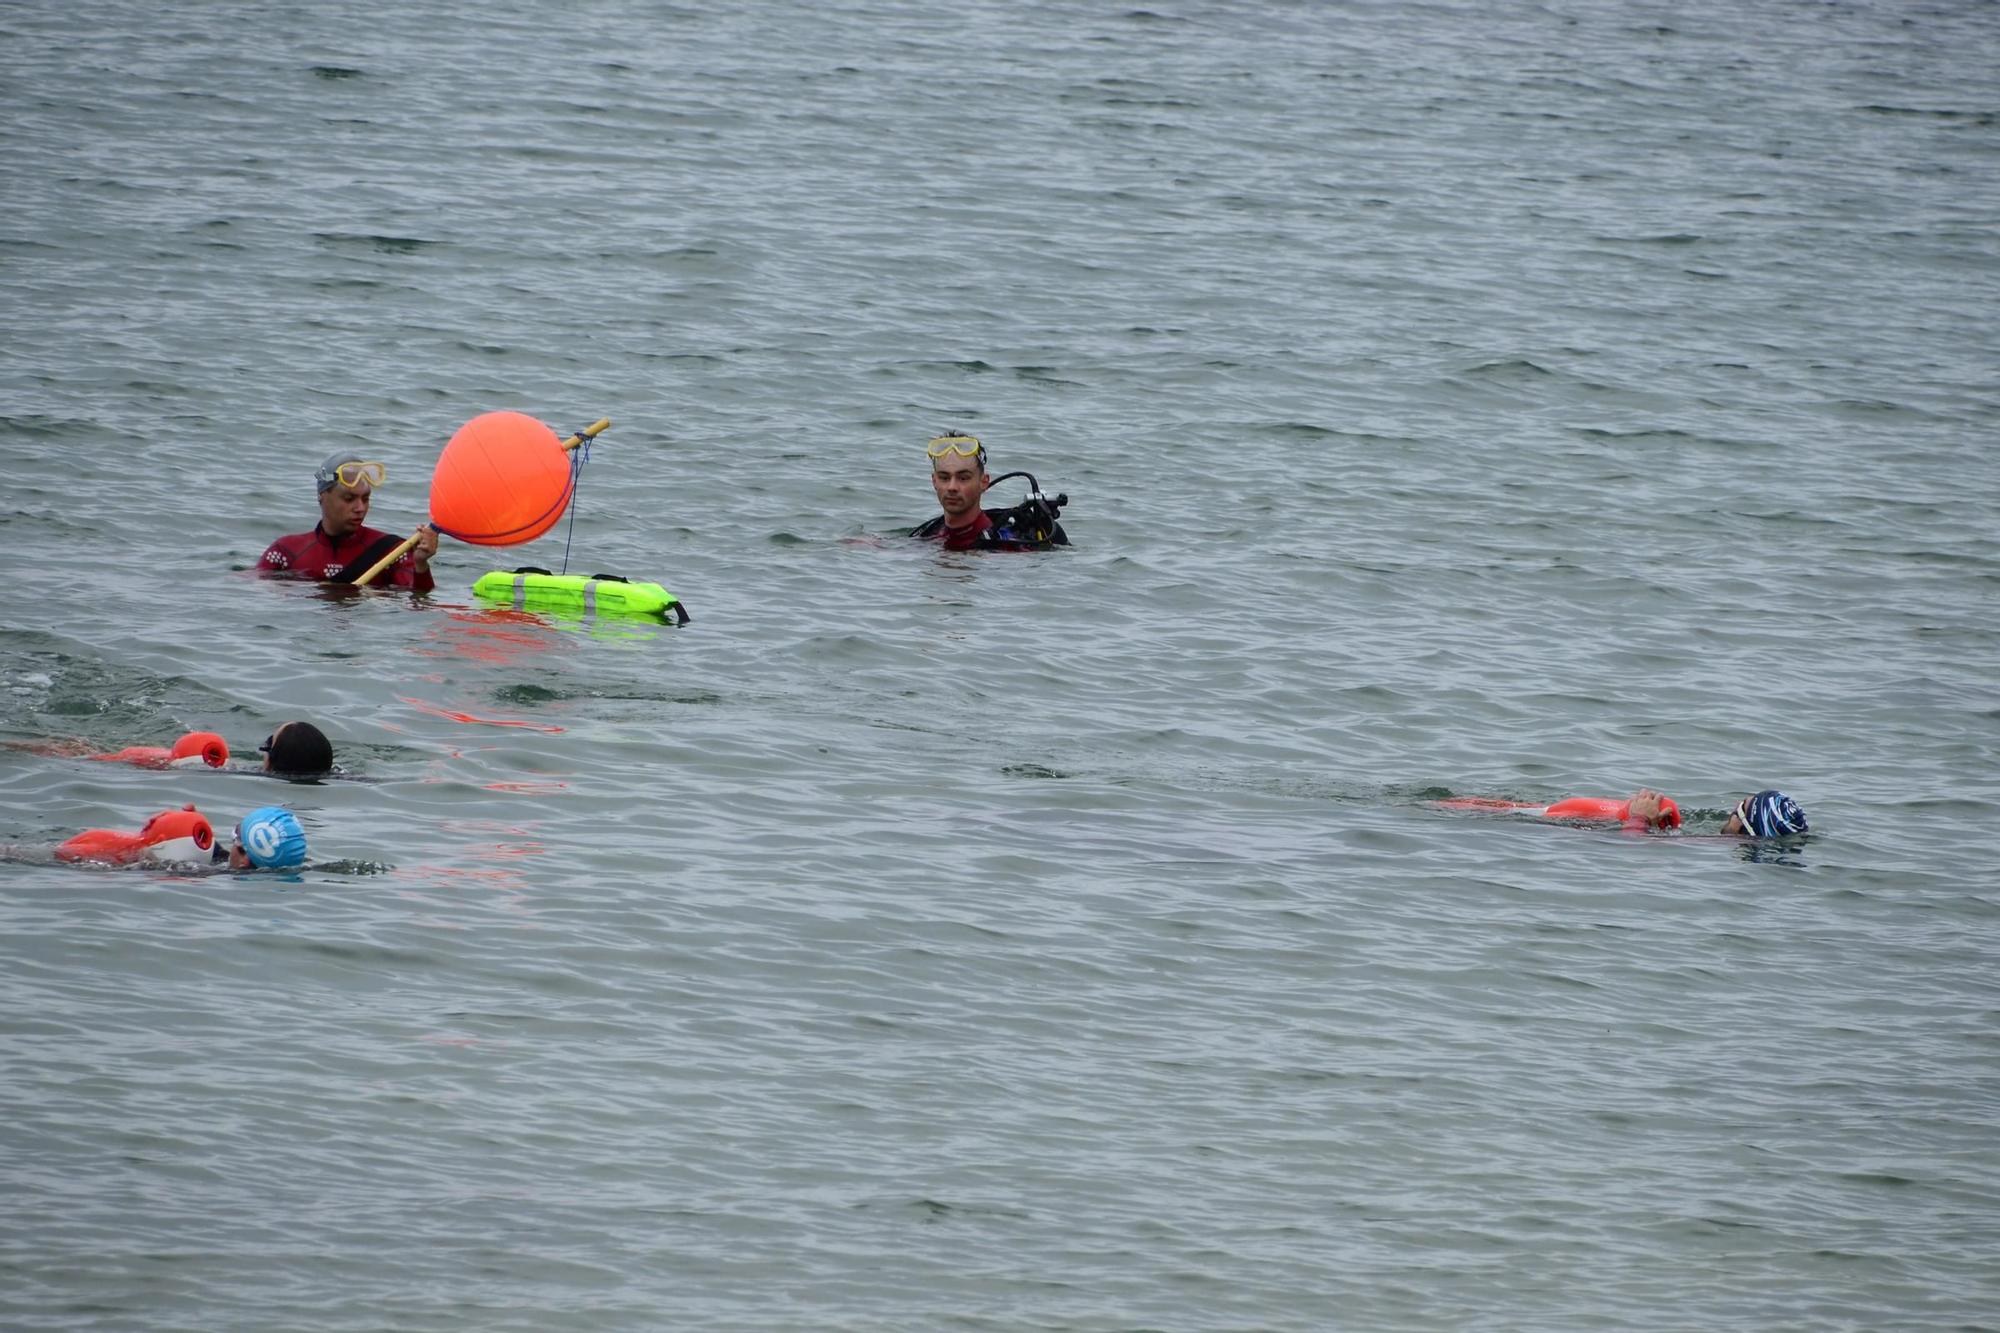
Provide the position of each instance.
(1771, 814)
(272, 838)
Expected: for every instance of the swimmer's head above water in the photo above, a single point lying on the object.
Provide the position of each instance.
(1768, 814)
(299, 751)
(346, 484)
(958, 476)
(268, 838)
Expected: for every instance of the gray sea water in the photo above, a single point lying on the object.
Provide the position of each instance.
(1519, 401)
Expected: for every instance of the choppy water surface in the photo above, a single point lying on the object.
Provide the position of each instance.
(1526, 404)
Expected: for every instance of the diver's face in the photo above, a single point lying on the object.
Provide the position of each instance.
(1734, 824)
(344, 508)
(959, 482)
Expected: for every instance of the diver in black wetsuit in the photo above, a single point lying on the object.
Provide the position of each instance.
(958, 475)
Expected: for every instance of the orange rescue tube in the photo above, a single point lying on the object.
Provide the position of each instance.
(1607, 809)
(504, 478)
(171, 835)
(1590, 807)
(190, 751)
(1610, 810)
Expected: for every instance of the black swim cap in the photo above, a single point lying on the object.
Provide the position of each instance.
(299, 750)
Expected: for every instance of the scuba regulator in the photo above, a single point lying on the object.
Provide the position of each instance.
(1033, 521)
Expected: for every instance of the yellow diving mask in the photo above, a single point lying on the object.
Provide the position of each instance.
(349, 472)
(965, 446)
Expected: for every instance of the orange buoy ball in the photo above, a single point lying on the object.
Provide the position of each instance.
(504, 478)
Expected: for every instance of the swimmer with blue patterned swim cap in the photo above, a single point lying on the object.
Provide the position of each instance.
(268, 838)
(1768, 814)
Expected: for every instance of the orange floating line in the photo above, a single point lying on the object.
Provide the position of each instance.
(435, 711)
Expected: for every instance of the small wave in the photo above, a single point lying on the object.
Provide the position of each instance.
(527, 694)
(1034, 771)
(388, 245)
(1661, 433)
(1981, 118)
(1511, 366)
(1664, 238)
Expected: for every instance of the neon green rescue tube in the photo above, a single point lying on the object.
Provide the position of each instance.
(573, 594)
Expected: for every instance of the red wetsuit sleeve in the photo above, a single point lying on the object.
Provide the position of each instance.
(402, 574)
(405, 574)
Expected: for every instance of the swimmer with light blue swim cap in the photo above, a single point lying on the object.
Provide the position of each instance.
(1768, 814)
(268, 838)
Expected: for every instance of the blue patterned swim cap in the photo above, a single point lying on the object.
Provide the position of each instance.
(272, 838)
(1771, 814)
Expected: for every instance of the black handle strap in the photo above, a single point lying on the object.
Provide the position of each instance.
(364, 562)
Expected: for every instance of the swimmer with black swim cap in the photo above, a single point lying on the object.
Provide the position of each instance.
(297, 752)
(958, 476)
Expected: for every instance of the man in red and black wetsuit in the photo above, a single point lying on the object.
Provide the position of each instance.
(341, 547)
(958, 475)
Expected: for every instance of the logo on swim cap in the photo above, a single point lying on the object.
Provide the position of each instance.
(272, 838)
(1771, 814)
(263, 840)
